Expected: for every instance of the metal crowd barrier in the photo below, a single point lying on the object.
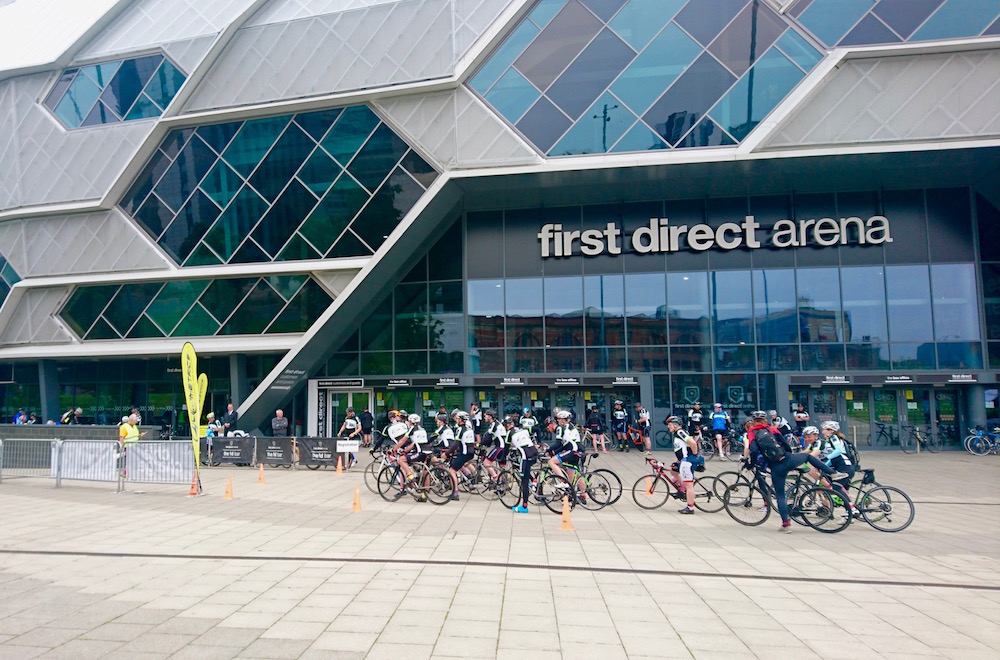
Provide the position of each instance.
(86, 460)
(27, 458)
(159, 462)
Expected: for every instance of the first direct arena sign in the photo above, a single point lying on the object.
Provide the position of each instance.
(660, 236)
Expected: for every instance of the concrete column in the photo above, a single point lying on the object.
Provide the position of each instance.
(238, 378)
(48, 385)
(975, 402)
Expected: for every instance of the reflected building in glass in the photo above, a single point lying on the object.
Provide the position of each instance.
(522, 203)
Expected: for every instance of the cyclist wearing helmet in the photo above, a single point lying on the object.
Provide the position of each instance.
(523, 448)
(444, 438)
(686, 451)
(466, 441)
(528, 422)
(694, 419)
(721, 422)
(393, 431)
(619, 424)
(417, 449)
(567, 449)
(831, 448)
(596, 426)
(495, 438)
(780, 423)
(766, 444)
(642, 420)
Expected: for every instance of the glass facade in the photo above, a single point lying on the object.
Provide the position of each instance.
(115, 91)
(196, 308)
(583, 76)
(332, 183)
(860, 22)
(8, 278)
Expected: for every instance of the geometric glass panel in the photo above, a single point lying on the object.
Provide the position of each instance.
(756, 94)
(832, 19)
(119, 84)
(640, 20)
(273, 194)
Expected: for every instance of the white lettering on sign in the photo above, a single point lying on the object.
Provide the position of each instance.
(659, 236)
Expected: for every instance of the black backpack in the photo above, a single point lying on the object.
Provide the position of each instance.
(768, 445)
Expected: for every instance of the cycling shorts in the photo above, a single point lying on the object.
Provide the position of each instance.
(569, 457)
(618, 428)
(495, 454)
(415, 456)
(460, 460)
(645, 431)
(686, 471)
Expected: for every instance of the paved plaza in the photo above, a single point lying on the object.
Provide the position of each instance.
(286, 570)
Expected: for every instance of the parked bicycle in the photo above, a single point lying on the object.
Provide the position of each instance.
(981, 443)
(915, 441)
(882, 436)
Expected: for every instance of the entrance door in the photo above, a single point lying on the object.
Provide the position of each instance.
(886, 408)
(858, 418)
(337, 404)
(916, 409)
(946, 412)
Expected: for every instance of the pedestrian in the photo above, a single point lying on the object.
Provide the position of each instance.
(367, 424)
(229, 420)
(801, 418)
(32, 419)
(279, 425)
(128, 432)
(18, 417)
(476, 416)
(213, 429)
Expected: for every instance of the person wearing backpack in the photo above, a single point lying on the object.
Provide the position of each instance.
(767, 442)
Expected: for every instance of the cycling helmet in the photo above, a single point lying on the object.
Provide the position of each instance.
(638, 405)
(509, 420)
(527, 410)
(716, 405)
(462, 415)
(619, 403)
(564, 414)
(772, 413)
(402, 413)
(830, 425)
(350, 409)
(673, 419)
(413, 419)
(758, 414)
(393, 414)
(441, 417)
(210, 415)
(810, 430)
(548, 420)
(492, 413)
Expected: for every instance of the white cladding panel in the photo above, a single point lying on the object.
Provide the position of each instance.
(38, 32)
(151, 23)
(43, 162)
(82, 243)
(890, 99)
(33, 322)
(456, 129)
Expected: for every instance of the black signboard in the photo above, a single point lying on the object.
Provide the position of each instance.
(340, 382)
(236, 450)
(274, 451)
(317, 451)
(821, 379)
(398, 382)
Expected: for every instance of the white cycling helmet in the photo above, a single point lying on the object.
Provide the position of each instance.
(810, 430)
(830, 425)
(462, 415)
(413, 419)
(564, 414)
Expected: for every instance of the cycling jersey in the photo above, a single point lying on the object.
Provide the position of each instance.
(528, 422)
(595, 423)
(619, 418)
(495, 436)
(781, 424)
(681, 447)
(397, 431)
(831, 448)
(467, 438)
(350, 426)
(694, 419)
(642, 417)
(520, 439)
(446, 440)
(720, 420)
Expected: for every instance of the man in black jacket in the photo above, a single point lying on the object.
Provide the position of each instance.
(229, 420)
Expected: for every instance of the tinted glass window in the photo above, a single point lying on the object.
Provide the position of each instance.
(688, 308)
(865, 318)
(558, 44)
(704, 19)
(732, 307)
(949, 219)
(523, 299)
(955, 301)
(905, 211)
(774, 306)
(908, 291)
(591, 73)
(645, 307)
(819, 305)
(486, 313)
(563, 311)
(689, 98)
(604, 304)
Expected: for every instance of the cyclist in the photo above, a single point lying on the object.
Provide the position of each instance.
(695, 415)
(766, 443)
(596, 425)
(352, 425)
(721, 423)
(566, 451)
(619, 424)
(416, 448)
(686, 450)
(642, 421)
(522, 444)
(801, 418)
(465, 439)
(780, 423)
(528, 422)
(832, 449)
(495, 438)
(476, 418)
(394, 431)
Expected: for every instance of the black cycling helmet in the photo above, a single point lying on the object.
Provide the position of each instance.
(442, 417)
(673, 419)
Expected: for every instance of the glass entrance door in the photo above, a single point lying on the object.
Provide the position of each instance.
(946, 413)
(858, 418)
(337, 405)
(915, 409)
(886, 417)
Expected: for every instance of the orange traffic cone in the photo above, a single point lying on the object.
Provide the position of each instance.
(649, 485)
(229, 489)
(567, 524)
(195, 490)
(357, 498)
(340, 464)
(260, 475)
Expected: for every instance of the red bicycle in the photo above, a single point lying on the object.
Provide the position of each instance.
(652, 491)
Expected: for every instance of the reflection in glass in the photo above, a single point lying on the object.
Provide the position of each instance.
(690, 358)
(960, 355)
(956, 306)
(410, 316)
(756, 94)
(564, 360)
(688, 308)
(774, 306)
(604, 305)
(734, 358)
(864, 304)
(602, 359)
(737, 392)
(526, 360)
(732, 307)
(820, 317)
(822, 357)
(868, 356)
(645, 305)
(912, 356)
(524, 313)
(908, 291)
(778, 358)
(486, 361)
(564, 311)
(648, 358)
(486, 313)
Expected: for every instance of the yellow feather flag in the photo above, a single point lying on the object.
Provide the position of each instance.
(192, 397)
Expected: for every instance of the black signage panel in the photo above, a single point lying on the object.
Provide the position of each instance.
(398, 382)
(317, 451)
(274, 451)
(821, 379)
(235, 450)
(340, 382)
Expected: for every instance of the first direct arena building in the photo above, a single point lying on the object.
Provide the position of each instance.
(521, 203)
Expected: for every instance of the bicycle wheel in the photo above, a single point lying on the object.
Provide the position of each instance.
(509, 488)
(823, 510)
(933, 444)
(725, 480)
(707, 448)
(484, 484)
(390, 485)
(908, 444)
(439, 486)
(613, 480)
(312, 466)
(735, 453)
(705, 497)
(551, 490)
(887, 509)
(598, 492)
(967, 443)
(371, 475)
(746, 504)
(651, 492)
(980, 445)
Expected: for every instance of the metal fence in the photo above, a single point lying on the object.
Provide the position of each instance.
(86, 460)
(158, 462)
(27, 458)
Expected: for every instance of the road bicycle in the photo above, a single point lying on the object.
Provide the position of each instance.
(981, 443)
(915, 441)
(651, 491)
(750, 502)
(549, 487)
(432, 484)
(884, 437)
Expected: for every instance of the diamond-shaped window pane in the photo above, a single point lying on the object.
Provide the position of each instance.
(350, 132)
(256, 313)
(130, 302)
(173, 301)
